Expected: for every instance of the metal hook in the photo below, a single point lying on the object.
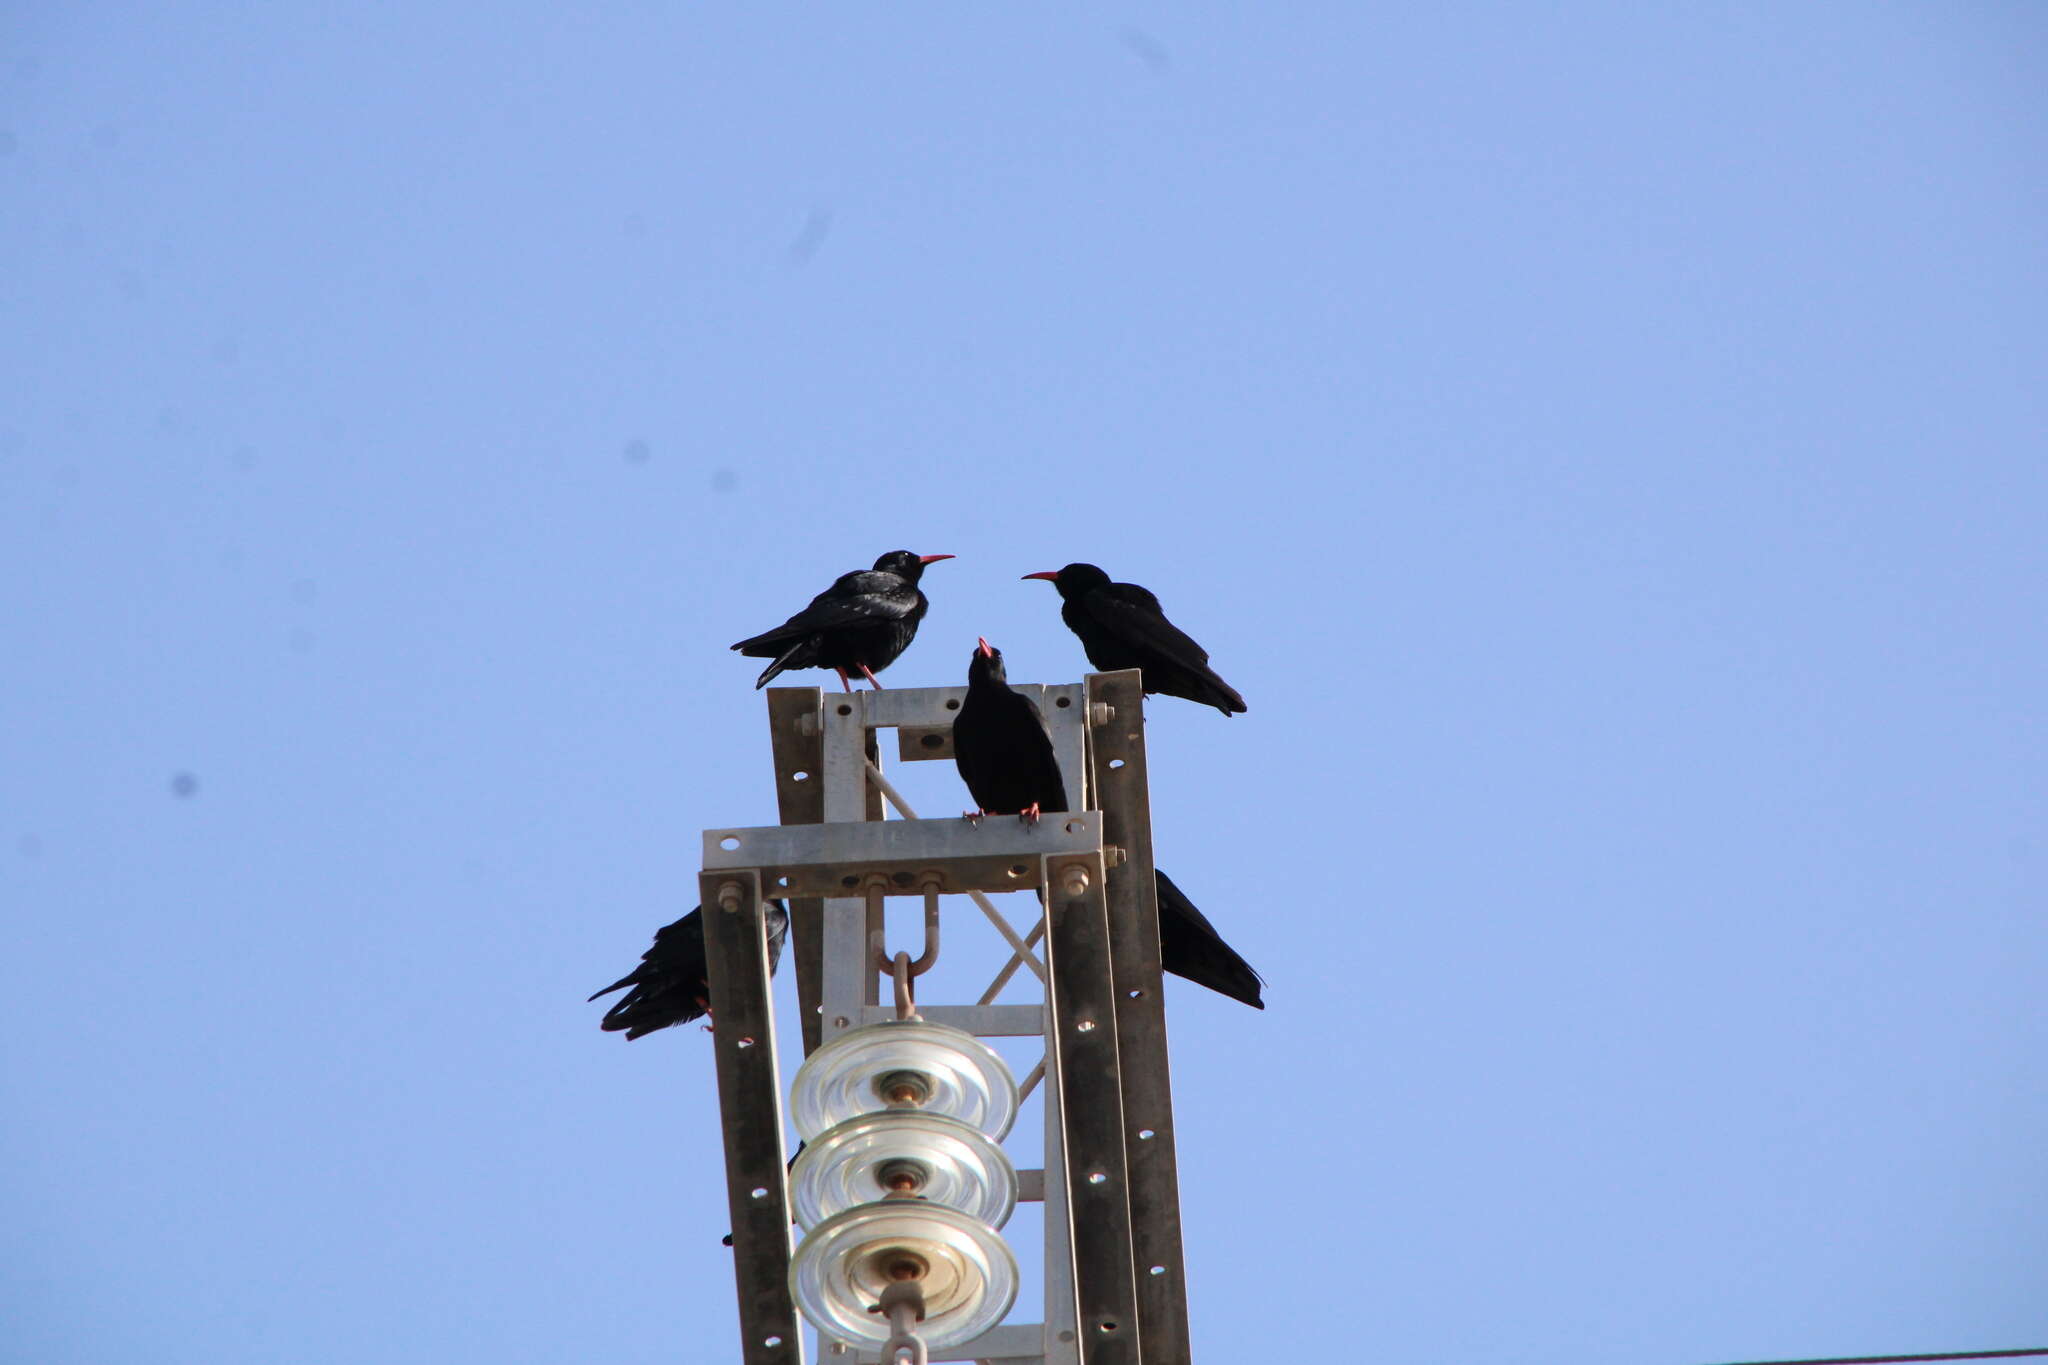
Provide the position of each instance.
(906, 1008)
(929, 958)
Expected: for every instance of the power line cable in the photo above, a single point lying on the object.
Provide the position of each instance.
(1899, 1360)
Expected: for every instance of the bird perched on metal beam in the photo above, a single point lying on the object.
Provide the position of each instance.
(1001, 746)
(1121, 625)
(669, 985)
(862, 622)
(1006, 758)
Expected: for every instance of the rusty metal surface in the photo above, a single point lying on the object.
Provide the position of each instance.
(750, 1107)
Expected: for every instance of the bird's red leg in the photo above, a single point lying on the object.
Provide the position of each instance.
(708, 1028)
(843, 681)
(1029, 813)
(972, 817)
(865, 673)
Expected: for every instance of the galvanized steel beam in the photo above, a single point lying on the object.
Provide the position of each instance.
(750, 1105)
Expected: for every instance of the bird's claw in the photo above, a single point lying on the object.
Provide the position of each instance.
(1029, 814)
(972, 817)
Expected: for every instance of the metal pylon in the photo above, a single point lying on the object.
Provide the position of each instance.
(1115, 1290)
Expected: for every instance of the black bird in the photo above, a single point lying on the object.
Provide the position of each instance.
(1006, 759)
(862, 622)
(669, 985)
(1191, 949)
(1001, 746)
(1122, 626)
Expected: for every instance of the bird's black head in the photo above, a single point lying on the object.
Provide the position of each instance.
(1074, 579)
(907, 564)
(985, 666)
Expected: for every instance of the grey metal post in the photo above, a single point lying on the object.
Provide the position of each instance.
(1122, 781)
(750, 1097)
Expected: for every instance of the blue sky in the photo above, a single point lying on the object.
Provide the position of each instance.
(1603, 443)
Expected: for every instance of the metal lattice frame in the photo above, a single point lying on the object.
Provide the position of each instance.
(1115, 1288)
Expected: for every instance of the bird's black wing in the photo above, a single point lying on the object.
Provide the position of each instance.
(1005, 754)
(1132, 614)
(867, 597)
(1041, 760)
(1191, 949)
(669, 986)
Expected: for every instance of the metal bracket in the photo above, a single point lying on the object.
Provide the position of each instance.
(996, 853)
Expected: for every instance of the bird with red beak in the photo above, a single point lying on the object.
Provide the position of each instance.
(862, 623)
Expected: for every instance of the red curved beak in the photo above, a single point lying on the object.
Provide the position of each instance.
(982, 645)
(932, 559)
(1048, 576)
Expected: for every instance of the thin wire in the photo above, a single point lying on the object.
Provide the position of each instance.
(995, 987)
(1900, 1360)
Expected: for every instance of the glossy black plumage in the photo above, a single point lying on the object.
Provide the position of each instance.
(862, 622)
(1190, 948)
(1000, 743)
(1121, 626)
(1007, 761)
(668, 987)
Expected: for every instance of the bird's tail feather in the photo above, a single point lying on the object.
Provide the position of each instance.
(1190, 948)
(625, 980)
(785, 660)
